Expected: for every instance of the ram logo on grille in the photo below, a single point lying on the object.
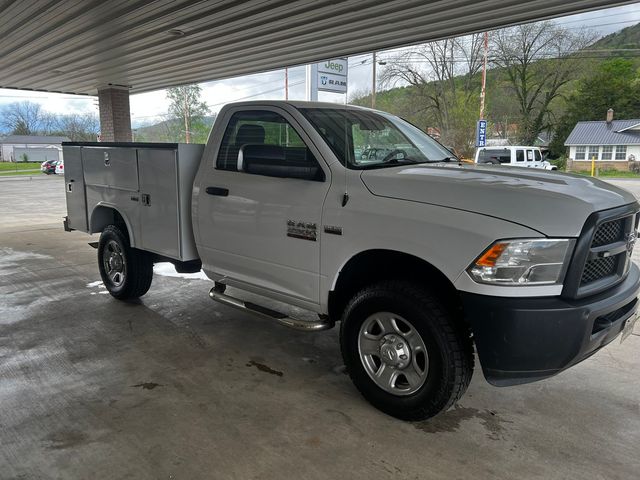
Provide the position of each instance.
(631, 238)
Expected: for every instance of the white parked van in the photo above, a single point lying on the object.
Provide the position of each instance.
(513, 155)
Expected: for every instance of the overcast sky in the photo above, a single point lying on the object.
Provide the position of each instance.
(146, 108)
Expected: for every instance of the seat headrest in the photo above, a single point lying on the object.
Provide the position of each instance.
(250, 134)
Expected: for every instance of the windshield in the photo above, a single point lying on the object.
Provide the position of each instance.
(364, 139)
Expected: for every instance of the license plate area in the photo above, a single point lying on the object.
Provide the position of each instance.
(627, 330)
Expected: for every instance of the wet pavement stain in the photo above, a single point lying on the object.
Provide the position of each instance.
(65, 439)
(147, 385)
(451, 421)
(264, 368)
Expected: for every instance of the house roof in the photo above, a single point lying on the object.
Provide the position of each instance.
(34, 139)
(618, 132)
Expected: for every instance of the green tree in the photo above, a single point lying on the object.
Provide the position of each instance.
(614, 84)
(187, 106)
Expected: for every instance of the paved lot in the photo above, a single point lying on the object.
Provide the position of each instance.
(176, 386)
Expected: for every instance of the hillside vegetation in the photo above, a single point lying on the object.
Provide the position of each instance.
(603, 74)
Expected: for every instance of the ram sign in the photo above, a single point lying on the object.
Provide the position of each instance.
(332, 75)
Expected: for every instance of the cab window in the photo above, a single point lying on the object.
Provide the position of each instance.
(538, 155)
(264, 143)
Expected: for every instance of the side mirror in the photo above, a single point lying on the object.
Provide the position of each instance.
(240, 160)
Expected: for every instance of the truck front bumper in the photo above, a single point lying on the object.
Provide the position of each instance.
(522, 340)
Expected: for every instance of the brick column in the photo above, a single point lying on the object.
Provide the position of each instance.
(115, 116)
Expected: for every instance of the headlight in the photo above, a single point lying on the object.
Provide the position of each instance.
(523, 262)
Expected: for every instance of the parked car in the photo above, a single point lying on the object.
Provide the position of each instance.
(48, 166)
(421, 259)
(517, 156)
(59, 167)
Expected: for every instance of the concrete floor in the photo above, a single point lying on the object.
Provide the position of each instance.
(176, 386)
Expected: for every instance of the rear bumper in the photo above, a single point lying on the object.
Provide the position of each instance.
(522, 340)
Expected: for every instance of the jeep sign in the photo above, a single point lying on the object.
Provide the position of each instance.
(332, 75)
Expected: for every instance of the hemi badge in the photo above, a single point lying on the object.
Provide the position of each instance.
(333, 230)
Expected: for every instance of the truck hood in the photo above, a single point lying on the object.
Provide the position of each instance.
(552, 203)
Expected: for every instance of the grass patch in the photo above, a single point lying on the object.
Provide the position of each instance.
(33, 173)
(6, 166)
(611, 174)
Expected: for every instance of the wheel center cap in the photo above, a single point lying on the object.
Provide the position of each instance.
(115, 262)
(395, 352)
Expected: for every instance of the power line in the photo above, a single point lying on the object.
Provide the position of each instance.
(592, 18)
(279, 89)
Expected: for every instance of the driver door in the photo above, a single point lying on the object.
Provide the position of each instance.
(260, 206)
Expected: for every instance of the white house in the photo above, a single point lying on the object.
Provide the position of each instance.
(32, 148)
(613, 143)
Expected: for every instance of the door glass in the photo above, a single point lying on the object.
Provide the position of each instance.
(538, 155)
(529, 155)
(501, 155)
(519, 155)
(262, 142)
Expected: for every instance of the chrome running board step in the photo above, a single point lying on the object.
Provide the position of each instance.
(281, 318)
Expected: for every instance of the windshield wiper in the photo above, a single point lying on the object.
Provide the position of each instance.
(402, 160)
(444, 160)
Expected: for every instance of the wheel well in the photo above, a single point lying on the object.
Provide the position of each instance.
(372, 266)
(104, 216)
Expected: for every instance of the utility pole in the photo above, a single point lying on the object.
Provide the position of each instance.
(187, 134)
(286, 83)
(373, 82)
(484, 75)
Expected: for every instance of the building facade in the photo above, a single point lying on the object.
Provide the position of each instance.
(31, 148)
(613, 144)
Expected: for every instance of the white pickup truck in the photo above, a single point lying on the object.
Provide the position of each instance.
(418, 256)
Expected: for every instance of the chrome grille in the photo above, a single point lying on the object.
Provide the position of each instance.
(608, 232)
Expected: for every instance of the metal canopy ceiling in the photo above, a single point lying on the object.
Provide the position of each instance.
(76, 46)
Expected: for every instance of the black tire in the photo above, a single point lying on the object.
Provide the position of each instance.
(448, 344)
(138, 265)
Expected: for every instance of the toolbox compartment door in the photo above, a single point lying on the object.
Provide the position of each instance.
(110, 167)
(159, 221)
(74, 187)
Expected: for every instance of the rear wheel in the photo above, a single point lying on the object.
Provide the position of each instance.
(405, 353)
(126, 272)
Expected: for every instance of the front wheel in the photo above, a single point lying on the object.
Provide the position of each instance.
(126, 272)
(405, 353)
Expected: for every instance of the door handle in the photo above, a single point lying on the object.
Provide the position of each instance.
(220, 192)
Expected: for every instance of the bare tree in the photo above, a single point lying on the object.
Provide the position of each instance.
(78, 127)
(21, 118)
(538, 59)
(443, 75)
